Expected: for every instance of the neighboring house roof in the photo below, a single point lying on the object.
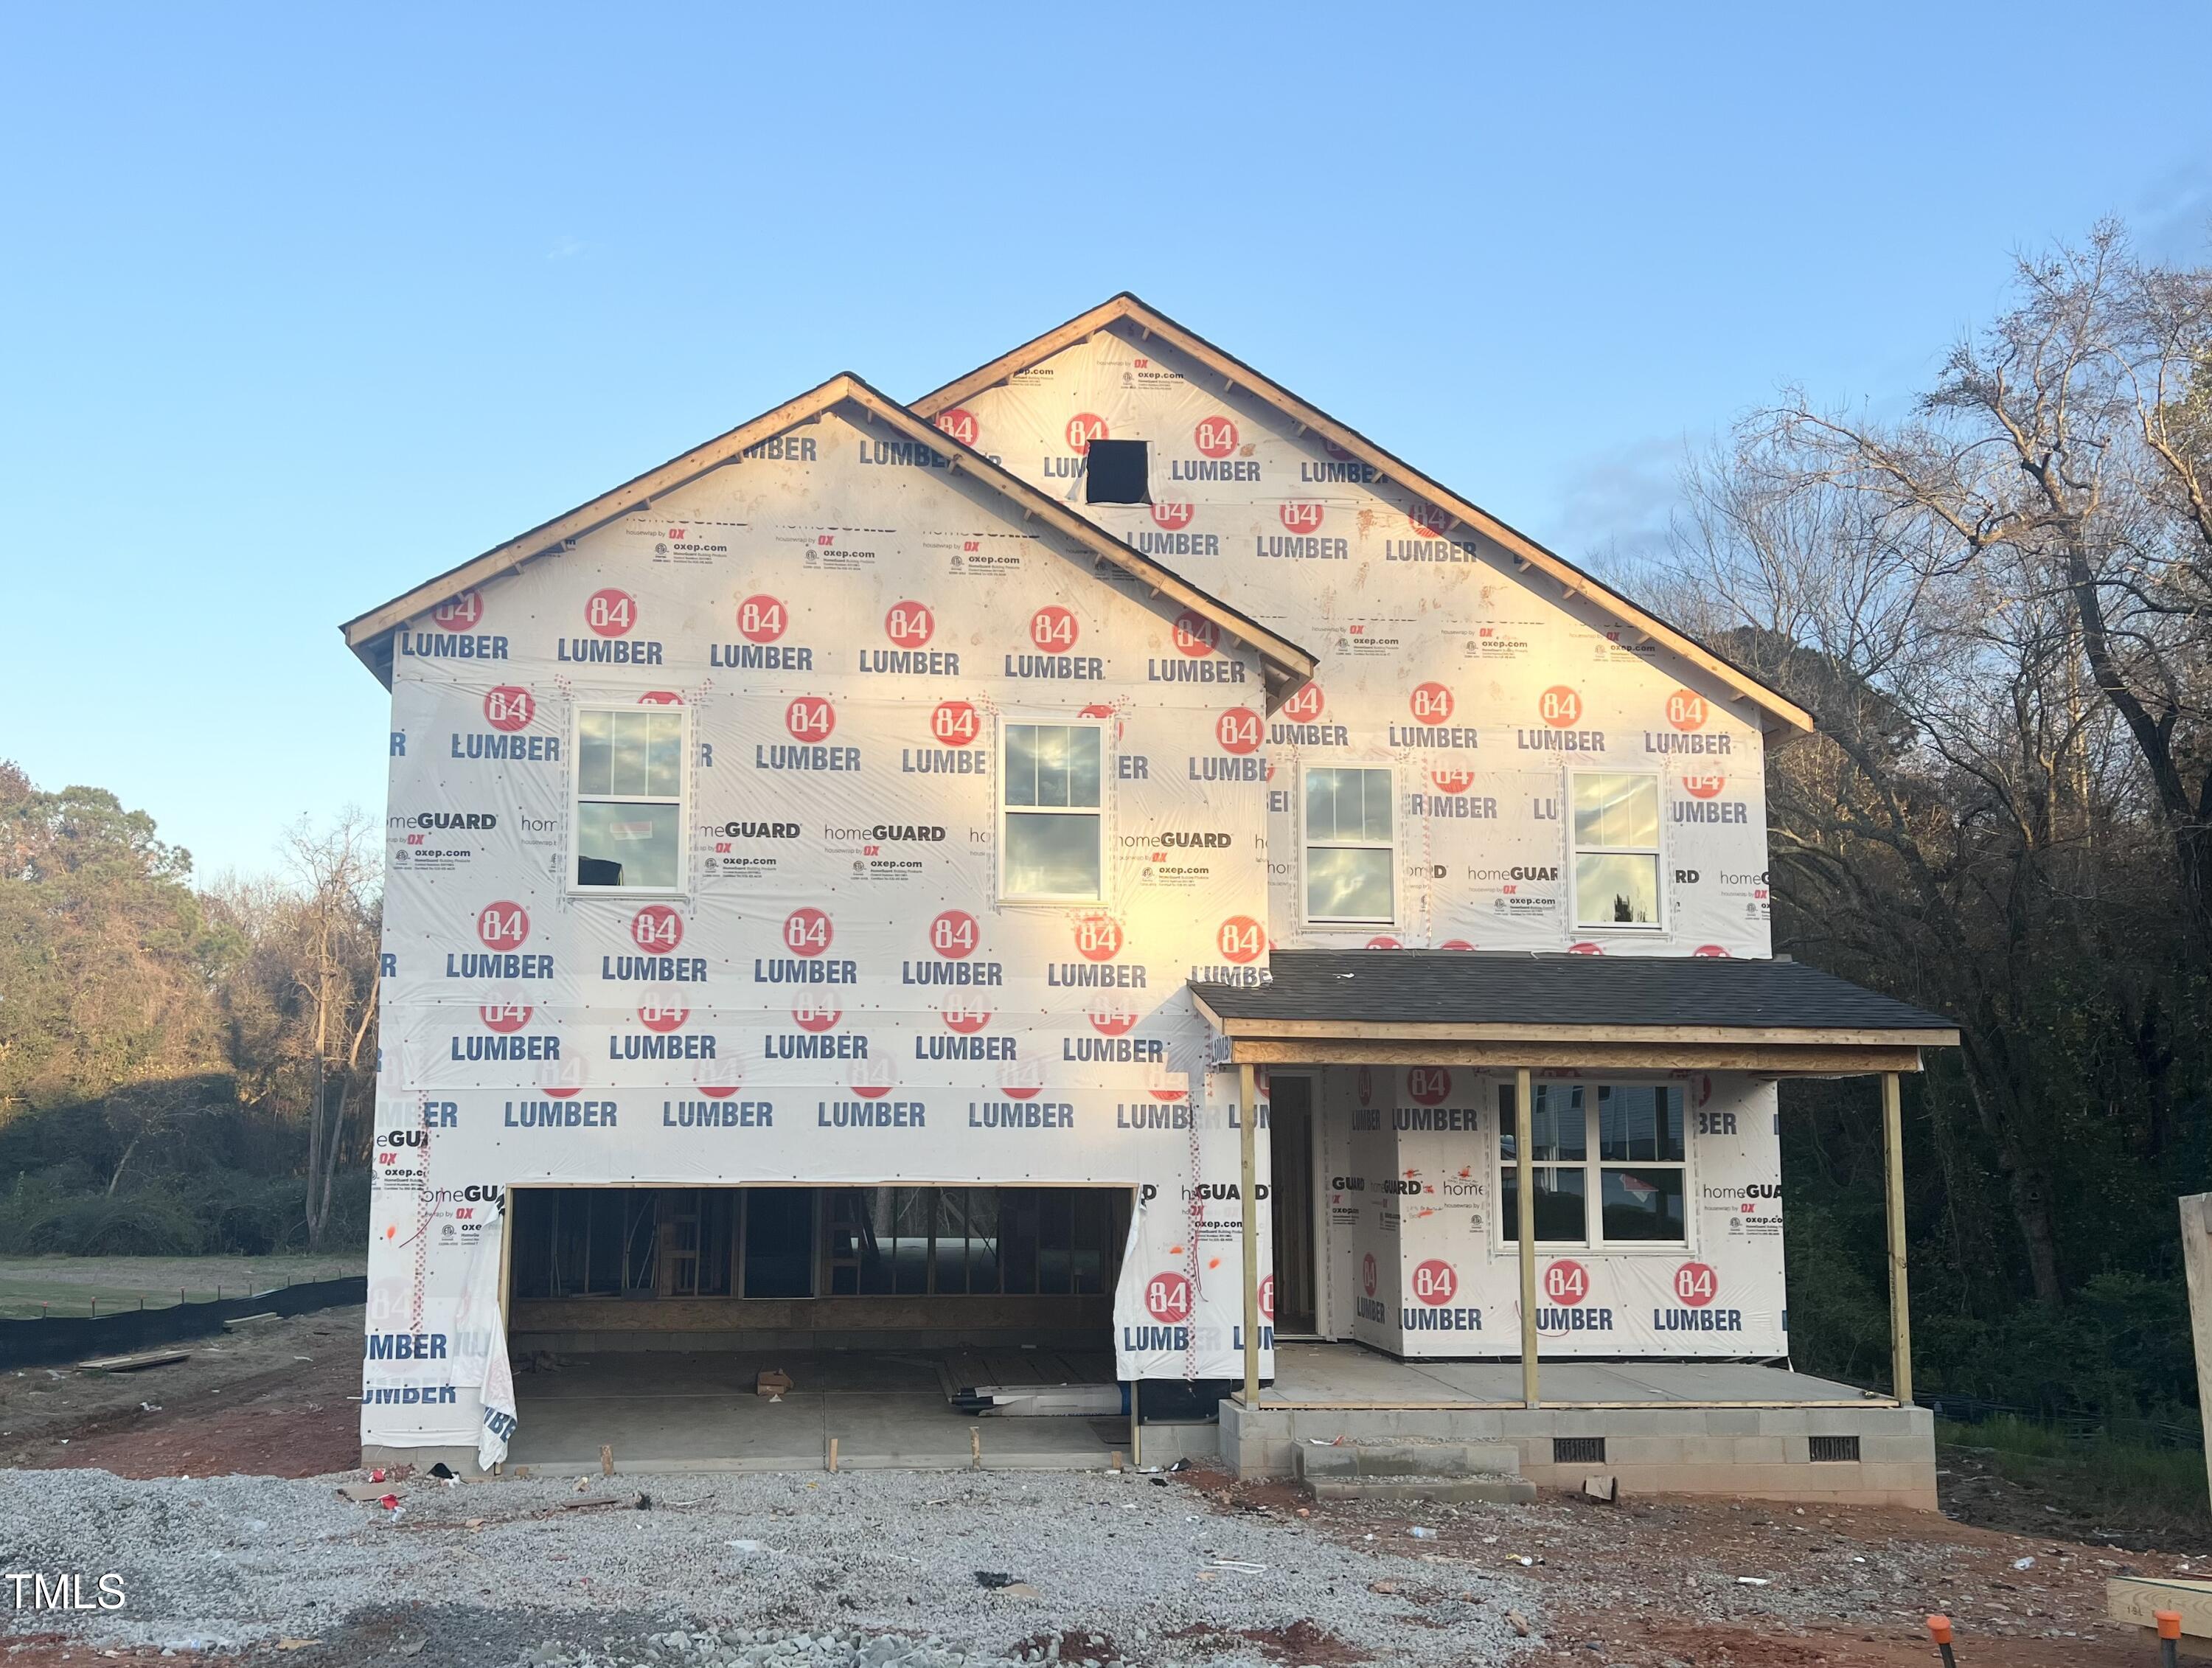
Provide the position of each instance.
(1286, 664)
(1782, 715)
(1486, 996)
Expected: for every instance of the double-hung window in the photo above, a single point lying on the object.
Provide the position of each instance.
(628, 810)
(1052, 817)
(1616, 848)
(1351, 857)
(1635, 1173)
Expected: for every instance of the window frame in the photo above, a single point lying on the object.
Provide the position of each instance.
(1103, 728)
(1593, 1166)
(1307, 843)
(1657, 852)
(578, 797)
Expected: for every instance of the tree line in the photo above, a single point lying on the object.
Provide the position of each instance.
(1997, 606)
(181, 1070)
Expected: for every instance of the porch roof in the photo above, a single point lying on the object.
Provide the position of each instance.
(1486, 1008)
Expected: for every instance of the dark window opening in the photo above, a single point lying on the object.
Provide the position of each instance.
(1117, 471)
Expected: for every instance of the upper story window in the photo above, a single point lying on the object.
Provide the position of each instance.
(1051, 820)
(629, 819)
(1616, 822)
(1350, 854)
(1636, 1174)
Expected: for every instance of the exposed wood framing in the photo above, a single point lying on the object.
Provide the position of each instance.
(1892, 1187)
(1524, 1173)
(1828, 1062)
(1247, 1111)
(1455, 1032)
(1274, 1404)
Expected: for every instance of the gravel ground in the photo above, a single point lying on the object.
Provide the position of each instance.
(1108, 1568)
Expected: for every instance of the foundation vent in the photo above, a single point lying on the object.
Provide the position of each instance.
(1581, 1451)
(1834, 1448)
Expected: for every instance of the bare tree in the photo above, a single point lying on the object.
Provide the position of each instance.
(303, 1017)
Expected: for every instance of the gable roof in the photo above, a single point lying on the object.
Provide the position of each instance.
(1780, 713)
(1285, 665)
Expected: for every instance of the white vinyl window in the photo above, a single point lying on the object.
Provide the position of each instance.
(1052, 818)
(1351, 851)
(1616, 823)
(1634, 1169)
(627, 819)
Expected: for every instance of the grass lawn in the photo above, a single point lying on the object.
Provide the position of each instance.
(33, 1286)
(2157, 1488)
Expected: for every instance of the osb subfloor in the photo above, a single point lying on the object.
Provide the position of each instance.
(1350, 1373)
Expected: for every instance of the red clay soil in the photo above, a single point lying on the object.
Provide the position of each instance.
(1654, 1582)
(272, 1400)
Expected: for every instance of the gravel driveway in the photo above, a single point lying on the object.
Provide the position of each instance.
(751, 1569)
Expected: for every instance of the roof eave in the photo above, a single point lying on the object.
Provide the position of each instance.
(1781, 720)
(1285, 665)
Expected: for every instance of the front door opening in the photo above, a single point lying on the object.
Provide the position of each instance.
(1289, 1187)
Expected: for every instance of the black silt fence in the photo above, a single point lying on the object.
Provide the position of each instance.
(76, 1337)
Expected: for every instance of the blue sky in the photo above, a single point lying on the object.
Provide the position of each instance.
(304, 304)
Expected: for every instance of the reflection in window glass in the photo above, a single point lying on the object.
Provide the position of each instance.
(1643, 1204)
(1351, 862)
(621, 843)
(629, 788)
(1639, 1201)
(1344, 882)
(1616, 820)
(1052, 856)
(1639, 1120)
(1613, 889)
(1053, 843)
(1616, 810)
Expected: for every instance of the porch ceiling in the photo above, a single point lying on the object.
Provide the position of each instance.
(1621, 1013)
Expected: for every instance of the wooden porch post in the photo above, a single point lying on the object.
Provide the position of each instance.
(1525, 1171)
(1249, 1116)
(1892, 1187)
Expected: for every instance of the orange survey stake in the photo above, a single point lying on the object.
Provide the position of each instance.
(1939, 1629)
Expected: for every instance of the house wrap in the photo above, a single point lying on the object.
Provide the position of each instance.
(860, 802)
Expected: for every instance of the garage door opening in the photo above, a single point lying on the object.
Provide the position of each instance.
(647, 1314)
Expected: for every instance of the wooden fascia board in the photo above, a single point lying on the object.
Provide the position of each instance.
(1402, 1031)
(1770, 1061)
(589, 517)
(1794, 718)
(1287, 666)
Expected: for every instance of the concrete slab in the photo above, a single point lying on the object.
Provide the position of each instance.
(698, 1411)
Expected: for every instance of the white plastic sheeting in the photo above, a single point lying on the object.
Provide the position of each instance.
(1421, 1261)
(837, 993)
(1480, 686)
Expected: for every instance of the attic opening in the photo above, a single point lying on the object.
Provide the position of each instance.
(1117, 471)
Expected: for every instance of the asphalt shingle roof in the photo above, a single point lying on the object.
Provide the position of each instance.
(1448, 987)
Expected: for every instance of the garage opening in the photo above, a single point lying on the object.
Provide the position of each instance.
(898, 1313)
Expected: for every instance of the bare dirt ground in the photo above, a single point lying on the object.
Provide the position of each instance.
(1658, 1583)
(268, 1399)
